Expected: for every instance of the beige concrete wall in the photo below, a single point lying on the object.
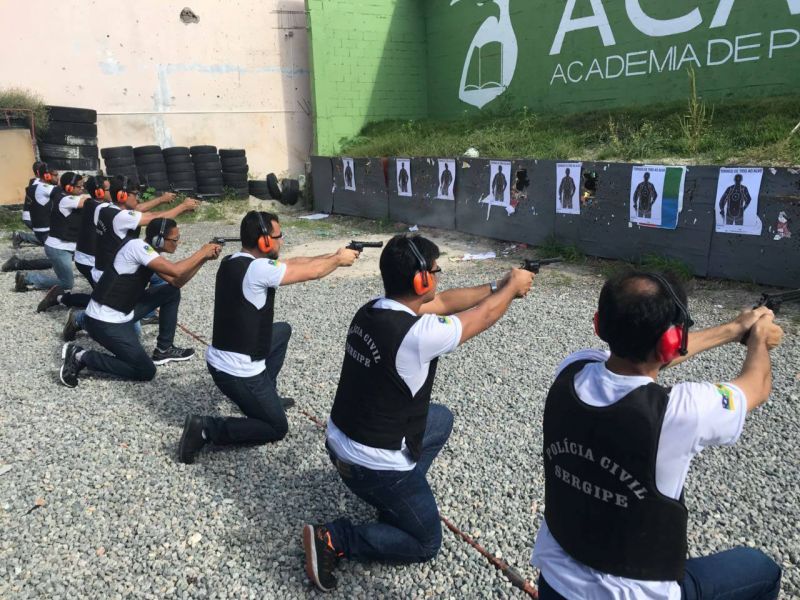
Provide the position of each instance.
(16, 158)
(239, 78)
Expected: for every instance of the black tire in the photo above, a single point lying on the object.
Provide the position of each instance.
(159, 175)
(178, 160)
(147, 150)
(231, 153)
(207, 159)
(234, 167)
(160, 186)
(183, 183)
(72, 164)
(178, 169)
(66, 139)
(242, 170)
(290, 191)
(201, 173)
(198, 150)
(151, 160)
(210, 181)
(272, 187)
(242, 194)
(257, 185)
(115, 163)
(210, 189)
(117, 152)
(66, 128)
(59, 151)
(235, 179)
(175, 151)
(72, 114)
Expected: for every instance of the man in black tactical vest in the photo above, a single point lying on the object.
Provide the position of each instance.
(247, 348)
(103, 232)
(121, 298)
(383, 432)
(617, 448)
(42, 174)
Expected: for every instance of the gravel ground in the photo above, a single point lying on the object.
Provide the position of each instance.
(94, 504)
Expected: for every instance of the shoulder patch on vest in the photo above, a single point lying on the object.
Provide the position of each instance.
(273, 262)
(131, 213)
(445, 320)
(727, 396)
(149, 249)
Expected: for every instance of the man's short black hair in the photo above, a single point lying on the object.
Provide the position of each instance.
(69, 178)
(635, 310)
(93, 182)
(398, 263)
(118, 184)
(250, 229)
(154, 229)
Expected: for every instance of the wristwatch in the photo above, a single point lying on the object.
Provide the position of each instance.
(493, 286)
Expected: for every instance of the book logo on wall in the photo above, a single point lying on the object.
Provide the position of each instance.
(491, 59)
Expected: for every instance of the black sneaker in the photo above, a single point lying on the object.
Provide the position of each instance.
(191, 439)
(162, 357)
(71, 365)
(287, 403)
(71, 327)
(321, 557)
(149, 320)
(16, 240)
(20, 285)
(51, 299)
(10, 265)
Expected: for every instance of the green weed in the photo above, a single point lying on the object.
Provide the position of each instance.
(23, 99)
(552, 248)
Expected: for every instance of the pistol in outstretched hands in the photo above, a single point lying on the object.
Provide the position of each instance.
(359, 246)
(534, 265)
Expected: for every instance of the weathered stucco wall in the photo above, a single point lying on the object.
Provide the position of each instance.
(239, 77)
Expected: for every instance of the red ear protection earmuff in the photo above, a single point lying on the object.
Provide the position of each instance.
(122, 194)
(48, 177)
(674, 341)
(70, 187)
(596, 321)
(264, 240)
(99, 189)
(423, 280)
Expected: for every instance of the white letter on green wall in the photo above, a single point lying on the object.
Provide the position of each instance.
(725, 7)
(661, 27)
(598, 19)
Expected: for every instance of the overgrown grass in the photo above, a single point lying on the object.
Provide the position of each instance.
(19, 98)
(744, 132)
(552, 248)
(650, 262)
(10, 219)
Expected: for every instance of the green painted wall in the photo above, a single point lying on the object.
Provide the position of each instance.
(620, 53)
(369, 64)
(405, 59)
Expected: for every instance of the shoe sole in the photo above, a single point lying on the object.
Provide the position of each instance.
(163, 361)
(311, 557)
(185, 460)
(75, 328)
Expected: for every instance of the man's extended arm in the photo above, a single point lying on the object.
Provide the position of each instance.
(456, 300)
(172, 213)
(179, 273)
(304, 268)
(164, 198)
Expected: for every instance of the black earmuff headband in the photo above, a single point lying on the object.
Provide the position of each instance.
(684, 319)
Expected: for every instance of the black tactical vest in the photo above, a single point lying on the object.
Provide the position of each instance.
(87, 237)
(121, 292)
(601, 501)
(30, 195)
(40, 215)
(63, 228)
(373, 405)
(108, 242)
(238, 325)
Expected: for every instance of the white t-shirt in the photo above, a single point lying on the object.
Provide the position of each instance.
(698, 415)
(261, 275)
(26, 214)
(123, 222)
(431, 336)
(66, 206)
(86, 259)
(130, 257)
(42, 197)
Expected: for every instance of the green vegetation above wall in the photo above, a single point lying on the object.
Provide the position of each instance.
(745, 132)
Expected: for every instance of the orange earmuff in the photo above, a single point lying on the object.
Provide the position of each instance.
(265, 243)
(99, 193)
(670, 344)
(48, 177)
(122, 196)
(423, 281)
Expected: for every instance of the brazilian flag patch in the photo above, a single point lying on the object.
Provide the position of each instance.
(445, 320)
(727, 396)
(273, 262)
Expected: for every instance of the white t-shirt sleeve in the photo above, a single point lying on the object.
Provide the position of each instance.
(125, 221)
(263, 273)
(435, 336)
(708, 414)
(67, 204)
(43, 191)
(593, 355)
(134, 254)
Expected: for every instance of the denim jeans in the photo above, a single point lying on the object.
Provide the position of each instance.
(128, 359)
(33, 264)
(62, 265)
(736, 574)
(408, 529)
(30, 238)
(256, 396)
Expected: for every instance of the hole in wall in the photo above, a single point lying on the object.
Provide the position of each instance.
(189, 16)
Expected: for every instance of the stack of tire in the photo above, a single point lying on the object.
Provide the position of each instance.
(288, 192)
(207, 171)
(70, 142)
(180, 169)
(234, 171)
(120, 160)
(151, 167)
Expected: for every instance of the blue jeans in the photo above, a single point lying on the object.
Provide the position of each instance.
(256, 396)
(128, 359)
(62, 265)
(736, 574)
(408, 528)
